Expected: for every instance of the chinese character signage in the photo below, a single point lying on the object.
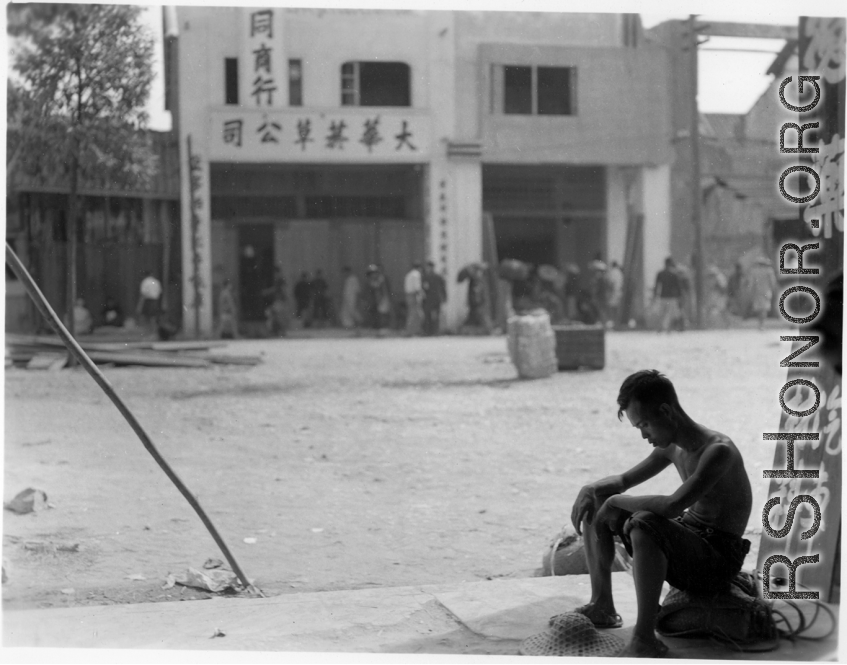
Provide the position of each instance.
(329, 136)
(262, 64)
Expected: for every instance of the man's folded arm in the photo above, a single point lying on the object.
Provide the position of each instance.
(712, 466)
(650, 466)
(583, 508)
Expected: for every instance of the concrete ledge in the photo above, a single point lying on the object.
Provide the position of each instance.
(487, 617)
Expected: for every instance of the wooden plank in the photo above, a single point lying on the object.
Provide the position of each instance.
(36, 344)
(97, 344)
(147, 359)
(752, 30)
(224, 359)
(188, 346)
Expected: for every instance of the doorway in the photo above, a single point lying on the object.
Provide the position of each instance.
(255, 268)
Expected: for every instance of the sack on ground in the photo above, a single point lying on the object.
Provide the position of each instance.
(738, 617)
(532, 345)
(568, 557)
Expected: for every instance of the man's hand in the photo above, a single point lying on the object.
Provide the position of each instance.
(590, 495)
(608, 515)
(583, 507)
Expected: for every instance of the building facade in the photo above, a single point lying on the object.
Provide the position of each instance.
(314, 139)
(122, 233)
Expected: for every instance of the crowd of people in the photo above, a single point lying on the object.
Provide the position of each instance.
(364, 303)
(746, 292)
(594, 295)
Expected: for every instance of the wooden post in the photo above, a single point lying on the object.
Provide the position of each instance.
(72, 245)
(165, 221)
(696, 196)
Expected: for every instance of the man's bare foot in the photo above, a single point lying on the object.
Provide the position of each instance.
(601, 617)
(640, 647)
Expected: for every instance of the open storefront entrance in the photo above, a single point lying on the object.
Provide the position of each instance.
(305, 219)
(552, 215)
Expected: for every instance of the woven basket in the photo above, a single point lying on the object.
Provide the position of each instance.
(572, 634)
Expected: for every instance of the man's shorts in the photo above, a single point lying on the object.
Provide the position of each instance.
(700, 559)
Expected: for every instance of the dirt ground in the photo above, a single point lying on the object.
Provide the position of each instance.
(352, 462)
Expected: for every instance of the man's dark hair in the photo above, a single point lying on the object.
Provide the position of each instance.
(649, 387)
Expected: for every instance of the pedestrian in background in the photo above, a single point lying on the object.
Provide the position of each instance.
(733, 290)
(112, 313)
(319, 291)
(761, 284)
(546, 292)
(227, 312)
(716, 297)
(277, 313)
(377, 300)
(573, 287)
(434, 296)
(687, 298)
(413, 289)
(614, 294)
(479, 297)
(149, 302)
(83, 323)
(303, 299)
(667, 293)
(349, 314)
(598, 284)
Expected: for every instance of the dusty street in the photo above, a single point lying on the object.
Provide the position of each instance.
(352, 462)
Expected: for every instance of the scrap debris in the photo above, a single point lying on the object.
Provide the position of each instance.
(28, 501)
(49, 353)
(50, 548)
(215, 580)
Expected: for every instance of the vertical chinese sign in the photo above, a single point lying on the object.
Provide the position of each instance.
(802, 518)
(262, 64)
(195, 186)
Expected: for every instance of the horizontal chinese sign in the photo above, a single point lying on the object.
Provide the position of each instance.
(355, 135)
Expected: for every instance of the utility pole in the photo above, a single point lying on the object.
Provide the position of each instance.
(696, 193)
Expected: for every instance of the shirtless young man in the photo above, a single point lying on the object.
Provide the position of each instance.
(691, 538)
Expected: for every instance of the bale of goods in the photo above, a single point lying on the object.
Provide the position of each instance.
(532, 344)
(513, 270)
(580, 346)
(565, 555)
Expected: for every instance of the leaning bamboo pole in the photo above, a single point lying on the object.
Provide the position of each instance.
(80, 355)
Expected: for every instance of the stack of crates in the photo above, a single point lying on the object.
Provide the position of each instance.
(580, 346)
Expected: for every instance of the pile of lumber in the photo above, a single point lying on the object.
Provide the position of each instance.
(46, 352)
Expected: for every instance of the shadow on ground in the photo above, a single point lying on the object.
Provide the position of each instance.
(425, 384)
(460, 641)
(246, 390)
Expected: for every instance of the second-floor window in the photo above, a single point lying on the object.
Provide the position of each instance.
(376, 84)
(535, 90)
(231, 80)
(295, 82)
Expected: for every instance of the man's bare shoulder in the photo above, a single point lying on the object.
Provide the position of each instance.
(715, 438)
(720, 449)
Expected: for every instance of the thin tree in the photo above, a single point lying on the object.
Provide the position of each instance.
(80, 79)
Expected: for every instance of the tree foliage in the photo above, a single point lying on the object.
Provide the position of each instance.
(80, 79)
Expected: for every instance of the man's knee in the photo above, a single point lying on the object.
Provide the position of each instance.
(639, 526)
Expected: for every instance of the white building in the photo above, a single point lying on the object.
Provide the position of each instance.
(322, 138)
